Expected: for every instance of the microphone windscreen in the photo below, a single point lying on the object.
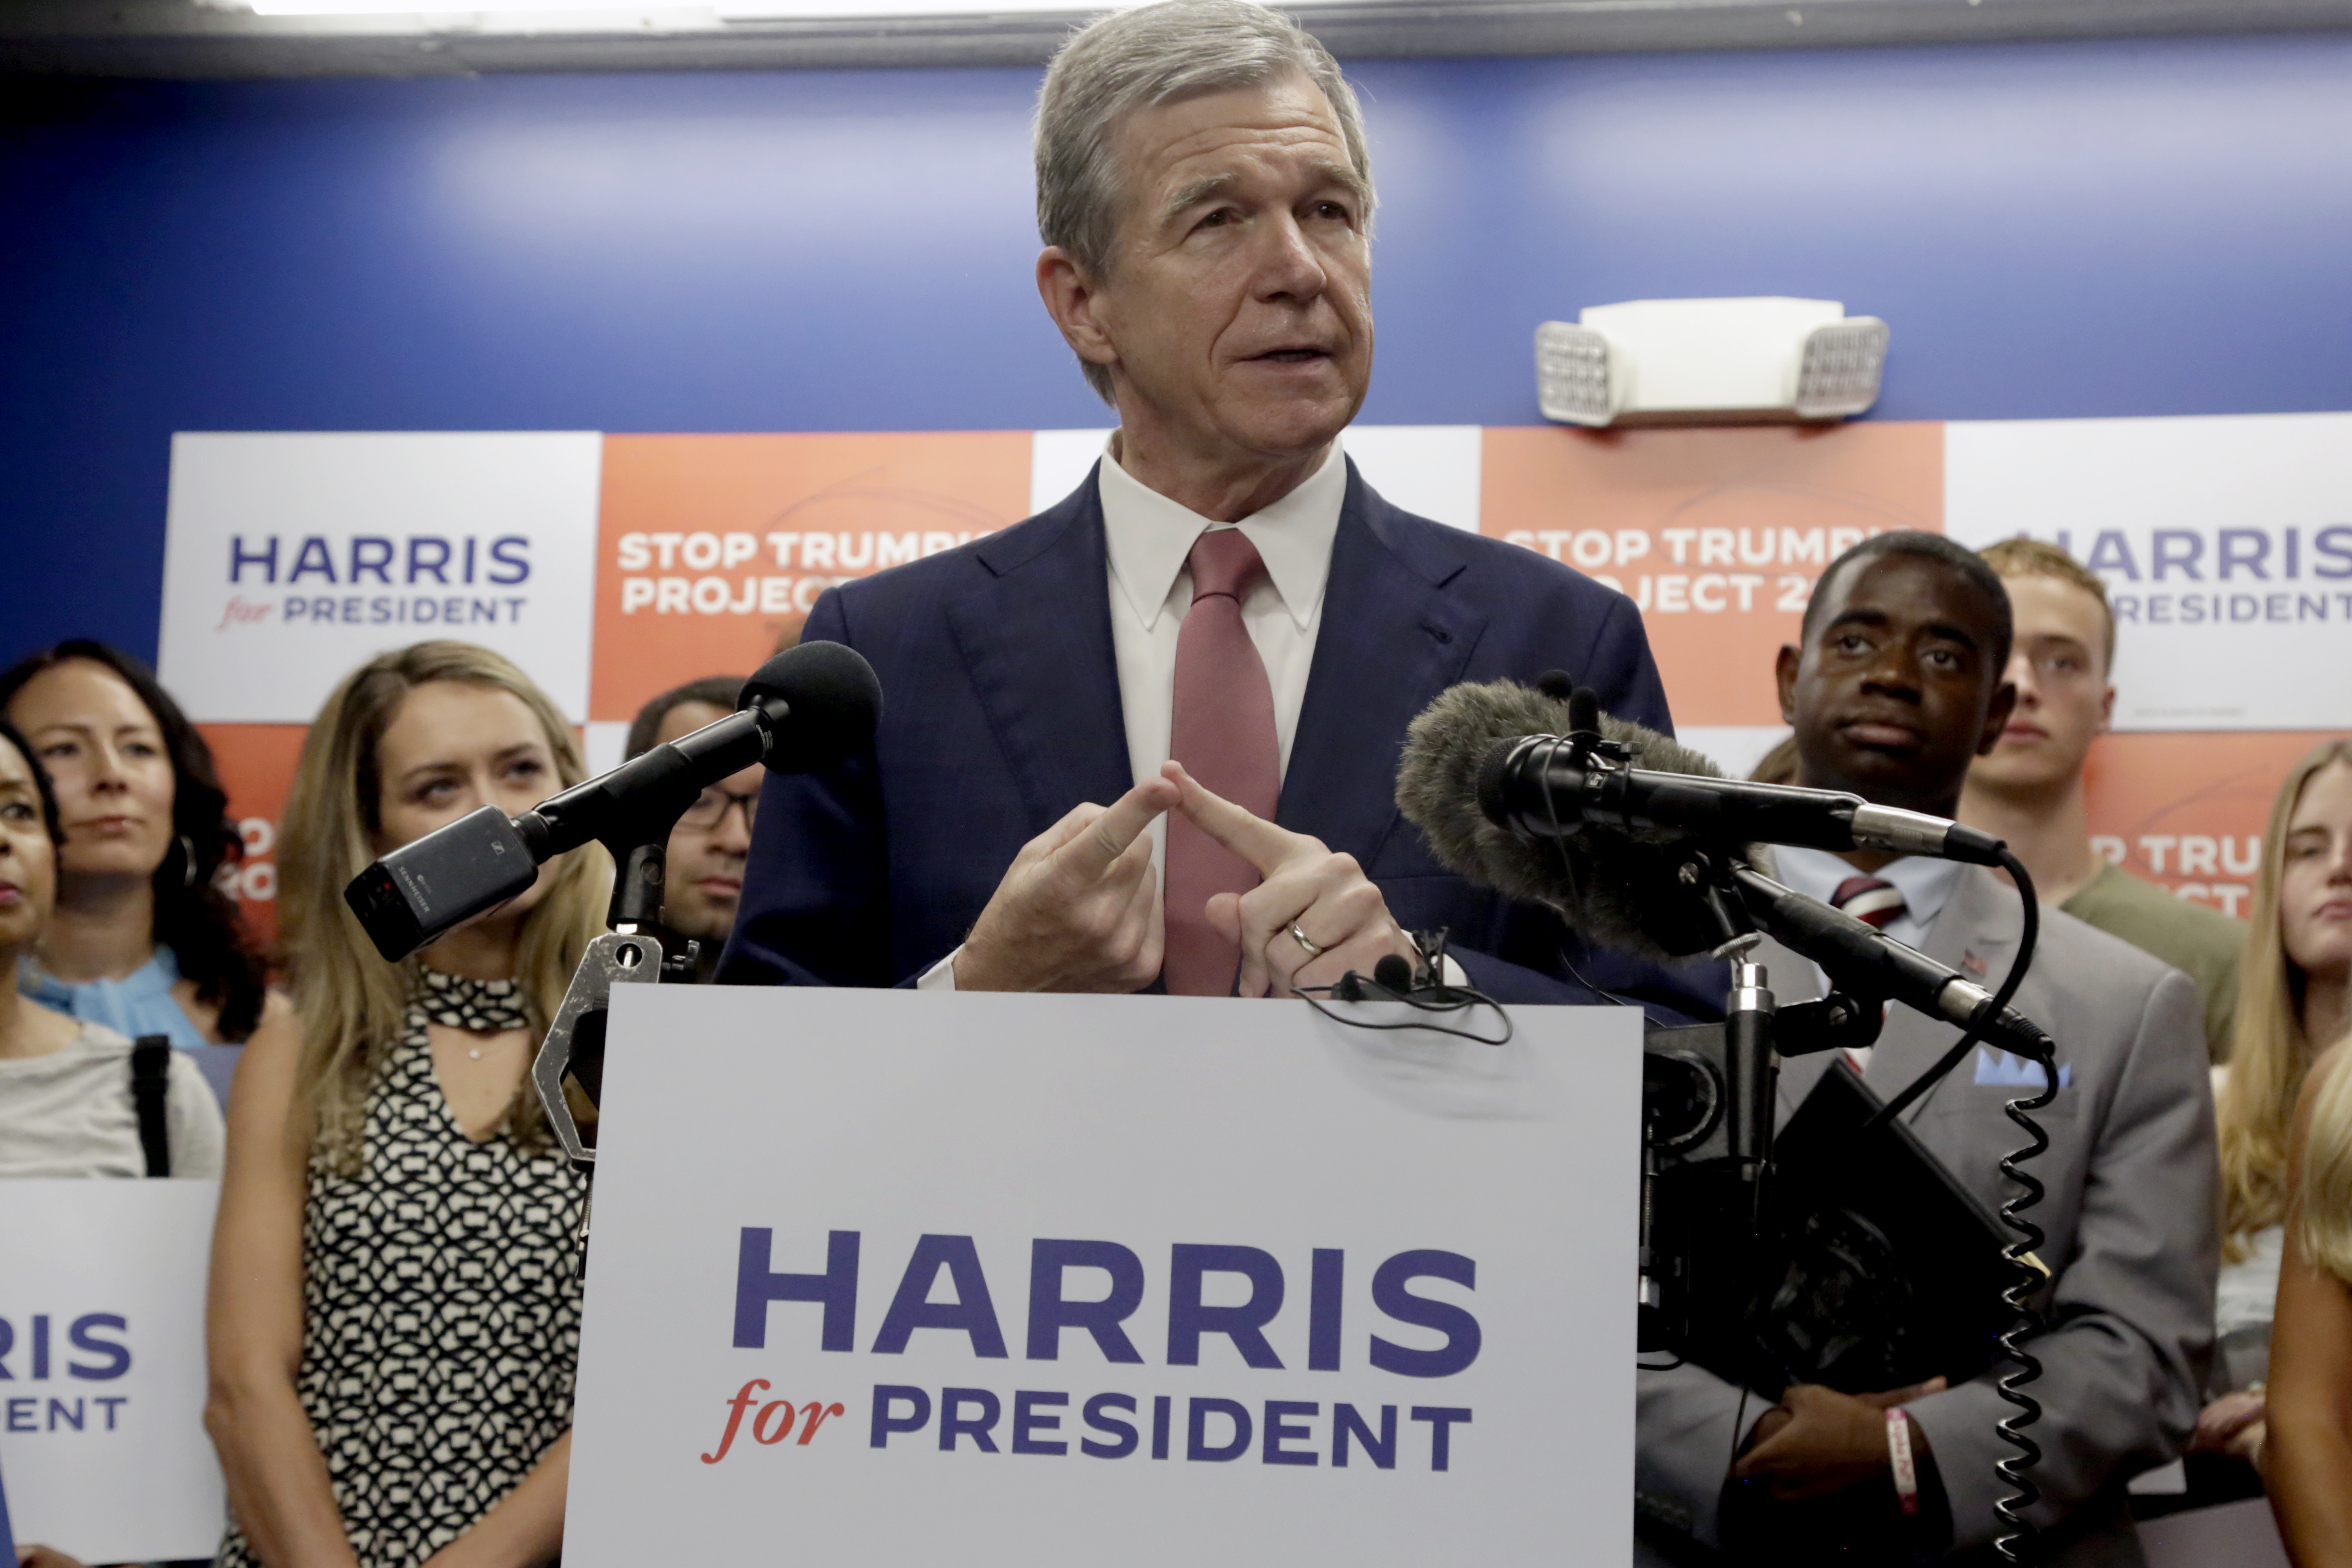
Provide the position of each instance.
(1556, 683)
(1449, 752)
(834, 701)
(1615, 886)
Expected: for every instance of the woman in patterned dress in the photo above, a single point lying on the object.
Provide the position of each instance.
(394, 1317)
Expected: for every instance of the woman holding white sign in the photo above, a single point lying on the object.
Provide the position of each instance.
(395, 1316)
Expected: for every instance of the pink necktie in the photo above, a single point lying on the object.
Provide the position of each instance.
(1224, 734)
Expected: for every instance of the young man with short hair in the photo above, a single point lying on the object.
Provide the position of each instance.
(2029, 788)
(1896, 686)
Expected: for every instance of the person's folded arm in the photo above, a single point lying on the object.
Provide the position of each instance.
(1687, 1425)
(525, 1529)
(277, 1477)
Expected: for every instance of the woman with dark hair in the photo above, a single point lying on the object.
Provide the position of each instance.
(142, 942)
(69, 1106)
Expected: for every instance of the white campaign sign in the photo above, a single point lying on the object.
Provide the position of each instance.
(2225, 544)
(899, 1277)
(102, 1368)
(290, 559)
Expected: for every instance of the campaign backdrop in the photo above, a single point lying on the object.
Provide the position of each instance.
(616, 567)
(892, 1276)
(102, 1375)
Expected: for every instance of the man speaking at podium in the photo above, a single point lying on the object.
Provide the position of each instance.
(1205, 660)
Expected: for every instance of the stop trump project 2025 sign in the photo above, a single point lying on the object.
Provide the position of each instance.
(897, 1276)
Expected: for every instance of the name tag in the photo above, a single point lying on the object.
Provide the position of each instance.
(2002, 1070)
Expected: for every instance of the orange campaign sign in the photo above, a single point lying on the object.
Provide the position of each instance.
(712, 549)
(256, 762)
(2188, 810)
(1716, 533)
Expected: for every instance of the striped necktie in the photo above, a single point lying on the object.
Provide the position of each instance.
(1869, 900)
(1874, 903)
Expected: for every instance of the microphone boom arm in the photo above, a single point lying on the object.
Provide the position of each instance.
(1865, 962)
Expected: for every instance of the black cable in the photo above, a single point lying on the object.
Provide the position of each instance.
(1423, 999)
(2016, 1539)
(1970, 1036)
(1738, 1430)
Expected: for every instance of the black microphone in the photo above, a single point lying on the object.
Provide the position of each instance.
(1491, 771)
(806, 709)
(1539, 787)
(1865, 962)
(1618, 887)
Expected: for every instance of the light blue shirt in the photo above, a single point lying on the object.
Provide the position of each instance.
(140, 1002)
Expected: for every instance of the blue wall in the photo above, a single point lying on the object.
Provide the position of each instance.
(2053, 230)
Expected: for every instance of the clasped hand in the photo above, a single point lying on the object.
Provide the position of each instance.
(1817, 1442)
(1080, 908)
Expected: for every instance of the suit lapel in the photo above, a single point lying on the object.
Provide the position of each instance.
(1975, 932)
(1392, 638)
(1036, 638)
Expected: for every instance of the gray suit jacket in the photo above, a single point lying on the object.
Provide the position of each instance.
(2130, 1216)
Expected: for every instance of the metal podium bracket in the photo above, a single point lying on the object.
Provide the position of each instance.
(574, 1046)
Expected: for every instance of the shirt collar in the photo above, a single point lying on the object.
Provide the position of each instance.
(1926, 883)
(150, 981)
(1149, 537)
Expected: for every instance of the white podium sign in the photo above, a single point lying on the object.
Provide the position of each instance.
(898, 1276)
(102, 1368)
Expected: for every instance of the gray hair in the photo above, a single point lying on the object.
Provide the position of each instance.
(1138, 60)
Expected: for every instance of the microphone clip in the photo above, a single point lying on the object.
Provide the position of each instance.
(1707, 870)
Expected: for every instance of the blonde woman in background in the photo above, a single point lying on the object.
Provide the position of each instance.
(2292, 1005)
(393, 1318)
(2307, 1460)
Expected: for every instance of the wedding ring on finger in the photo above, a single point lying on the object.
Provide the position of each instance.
(1313, 951)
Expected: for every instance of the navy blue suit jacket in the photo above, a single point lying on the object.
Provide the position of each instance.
(1001, 711)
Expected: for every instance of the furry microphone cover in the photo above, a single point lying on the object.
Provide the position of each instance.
(1616, 886)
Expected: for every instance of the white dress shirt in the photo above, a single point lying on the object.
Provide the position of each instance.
(1926, 884)
(1147, 538)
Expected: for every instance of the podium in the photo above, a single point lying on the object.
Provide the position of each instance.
(897, 1276)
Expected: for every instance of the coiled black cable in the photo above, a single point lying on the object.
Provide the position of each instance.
(2015, 1542)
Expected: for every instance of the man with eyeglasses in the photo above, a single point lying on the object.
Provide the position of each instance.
(711, 841)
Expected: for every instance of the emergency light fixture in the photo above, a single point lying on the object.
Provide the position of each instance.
(1710, 362)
